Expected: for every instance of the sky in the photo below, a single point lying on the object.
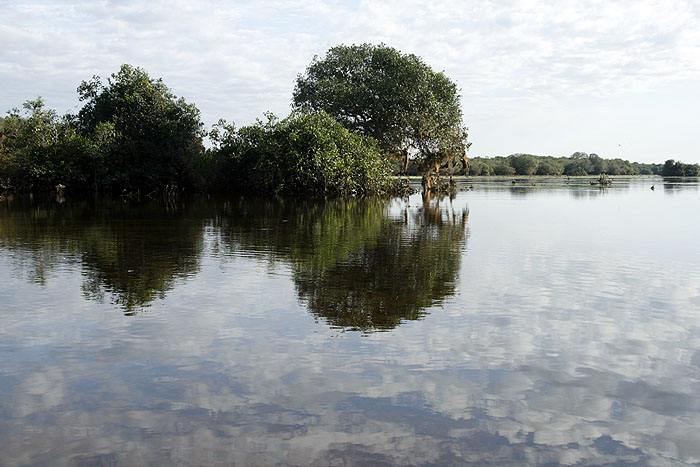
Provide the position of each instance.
(614, 77)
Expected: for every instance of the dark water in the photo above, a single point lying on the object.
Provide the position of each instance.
(514, 324)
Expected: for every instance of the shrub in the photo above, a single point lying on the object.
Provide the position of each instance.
(304, 153)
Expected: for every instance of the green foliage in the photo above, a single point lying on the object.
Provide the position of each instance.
(691, 170)
(579, 164)
(132, 134)
(577, 167)
(549, 166)
(394, 98)
(503, 169)
(673, 168)
(304, 153)
(154, 137)
(39, 150)
(477, 166)
(598, 165)
(524, 164)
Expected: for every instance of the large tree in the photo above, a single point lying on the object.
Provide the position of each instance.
(156, 135)
(395, 98)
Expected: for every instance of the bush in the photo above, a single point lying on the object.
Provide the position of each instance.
(549, 168)
(477, 167)
(304, 153)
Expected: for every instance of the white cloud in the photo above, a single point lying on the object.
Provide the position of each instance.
(239, 59)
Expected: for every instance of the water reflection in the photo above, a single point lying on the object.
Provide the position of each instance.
(131, 253)
(578, 187)
(357, 264)
(673, 185)
(573, 339)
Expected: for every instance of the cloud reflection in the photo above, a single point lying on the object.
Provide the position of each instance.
(549, 354)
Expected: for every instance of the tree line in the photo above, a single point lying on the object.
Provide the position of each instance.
(360, 114)
(578, 164)
(354, 111)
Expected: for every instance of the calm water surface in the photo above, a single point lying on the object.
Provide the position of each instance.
(513, 324)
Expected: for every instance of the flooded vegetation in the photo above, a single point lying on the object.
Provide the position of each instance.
(521, 321)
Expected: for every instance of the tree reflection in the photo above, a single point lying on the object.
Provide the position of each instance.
(134, 254)
(673, 185)
(358, 264)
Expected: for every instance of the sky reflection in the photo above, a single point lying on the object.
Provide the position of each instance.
(566, 336)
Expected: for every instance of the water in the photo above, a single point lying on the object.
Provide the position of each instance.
(513, 324)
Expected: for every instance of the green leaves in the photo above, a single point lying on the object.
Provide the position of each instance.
(155, 135)
(38, 149)
(394, 98)
(304, 153)
(679, 169)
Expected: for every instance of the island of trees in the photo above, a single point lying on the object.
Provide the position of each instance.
(361, 114)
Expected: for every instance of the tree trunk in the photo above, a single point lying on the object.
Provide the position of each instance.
(466, 162)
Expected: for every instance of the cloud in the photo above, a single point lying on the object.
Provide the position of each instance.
(239, 59)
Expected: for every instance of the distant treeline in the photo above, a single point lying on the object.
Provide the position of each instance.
(578, 164)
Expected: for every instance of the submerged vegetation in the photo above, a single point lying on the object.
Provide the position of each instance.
(361, 113)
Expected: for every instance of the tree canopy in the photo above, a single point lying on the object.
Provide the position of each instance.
(672, 168)
(39, 149)
(354, 109)
(156, 134)
(578, 164)
(395, 98)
